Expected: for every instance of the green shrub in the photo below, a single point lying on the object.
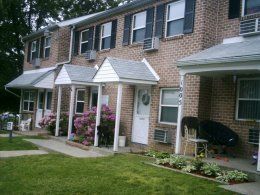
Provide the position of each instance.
(189, 168)
(162, 161)
(210, 169)
(197, 163)
(178, 161)
(228, 176)
(156, 154)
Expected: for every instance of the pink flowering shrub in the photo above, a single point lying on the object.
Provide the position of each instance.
(85, 124)
(48, 122)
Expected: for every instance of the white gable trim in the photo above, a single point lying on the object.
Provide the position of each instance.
(63, 77)
(106, 73)
(151, 69)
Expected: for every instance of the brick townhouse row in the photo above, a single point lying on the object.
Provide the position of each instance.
(198, 58)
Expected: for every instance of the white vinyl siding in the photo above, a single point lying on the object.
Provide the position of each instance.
(28, 100)
(47, 47)
(248, 99)
(106, 73)
(175, 18)
(84, 41)
(106, 30)
(138, 27)
(168, 111)
(80, 101)
(63, 77)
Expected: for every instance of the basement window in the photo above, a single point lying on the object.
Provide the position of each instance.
(248, 99)
(251, 7)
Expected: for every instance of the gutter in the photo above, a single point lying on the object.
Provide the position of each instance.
(115, 11)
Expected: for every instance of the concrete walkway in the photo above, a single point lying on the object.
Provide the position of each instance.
(245, 188)
(6, 154)
(7, 135)
(61, 147)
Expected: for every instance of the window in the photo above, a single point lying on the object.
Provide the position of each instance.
(248, 99)
(168, 113)
(48, 100)
(139, 24)
(94, 97)
(251, 7)
(47, 47)
(106, 30)
(84, 41)
(175, 18)
(34, 50)
(80, 101)
(28, 100)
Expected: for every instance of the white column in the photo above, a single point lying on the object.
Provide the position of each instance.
(99, 107)
(118, 113)
(180, 114)
(71, 113)
(258, 163)
(58, 112)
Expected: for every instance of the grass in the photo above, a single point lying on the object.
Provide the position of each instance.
(4, 132)
(17, 143)
(120, 174)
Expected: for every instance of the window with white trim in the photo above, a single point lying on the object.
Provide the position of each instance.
(28, 100)
(139, 25)
(248, 99)
(168, 112)
(175, 18)
(93, 97)
(251, 7)
(80, 97)
(34, 50)
(47, 47)
(48, 100)
(84, 41)
(106, 30)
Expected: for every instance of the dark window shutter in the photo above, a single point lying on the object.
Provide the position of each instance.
(189, 16)
(76, 43)
(29, 52)
(97, 38)
(113, 34)
(127, 29)
(159, 22)
(90, 38)
(149, 23)
(37, 48)
(234, 9)
(42, 47)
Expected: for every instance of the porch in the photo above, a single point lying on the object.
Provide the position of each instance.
(228, 93)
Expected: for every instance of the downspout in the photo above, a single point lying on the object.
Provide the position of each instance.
(11, 92)
(70, 53)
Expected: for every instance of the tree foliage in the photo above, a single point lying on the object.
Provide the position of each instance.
(21, 17)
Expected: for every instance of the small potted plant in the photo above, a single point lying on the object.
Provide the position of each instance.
(122, 136)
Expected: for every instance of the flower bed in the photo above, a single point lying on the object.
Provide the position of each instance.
(198, 167)
(85, 126)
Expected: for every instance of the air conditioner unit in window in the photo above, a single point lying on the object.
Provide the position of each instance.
(253, 136)
(91, 55)
(151, 44)
(162, 136)
(36, 62)
(250, 26)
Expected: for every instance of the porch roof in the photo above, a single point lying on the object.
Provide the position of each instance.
(75, 74)
(41, 78)
(239, 57)
(128, 71)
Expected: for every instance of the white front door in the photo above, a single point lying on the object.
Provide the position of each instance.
(141, 115)
(39, 112)
(48, 101)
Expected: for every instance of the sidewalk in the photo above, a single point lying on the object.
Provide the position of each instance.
(245, 188)
(6, 154)
(61, 147)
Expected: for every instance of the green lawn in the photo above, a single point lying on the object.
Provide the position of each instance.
(120, 174)
(17, 144)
